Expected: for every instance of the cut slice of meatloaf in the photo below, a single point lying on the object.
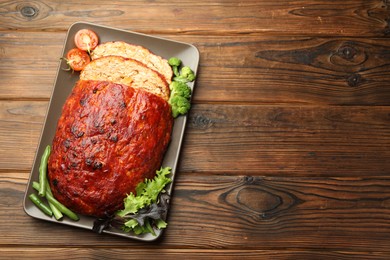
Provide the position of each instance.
(126, 71)
(136, 52)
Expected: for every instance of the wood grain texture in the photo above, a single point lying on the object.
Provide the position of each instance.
(299, 70)
(123, 253)
(241, 212)
(292, 140)
(189, 17)
(29, 64)
(339, 71)
(20, 129)
(286, 153)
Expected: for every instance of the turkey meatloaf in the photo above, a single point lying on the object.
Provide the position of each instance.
(126, 71)
(109, 138)
(136, 52)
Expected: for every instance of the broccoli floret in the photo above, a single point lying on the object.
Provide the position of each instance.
(180, 89)
(186, 75)
(186, 72)
(180, 92)
(180, 105)
(179, 98)
(175, 64)
(174, 61)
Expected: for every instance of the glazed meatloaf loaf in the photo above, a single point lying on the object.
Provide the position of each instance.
(109, 138)
(139, 53)
(126, 71)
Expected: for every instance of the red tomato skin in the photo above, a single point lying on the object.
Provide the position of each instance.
(77, 59)
(86, 40)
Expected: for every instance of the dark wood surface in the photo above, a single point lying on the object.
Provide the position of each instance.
(286, 153)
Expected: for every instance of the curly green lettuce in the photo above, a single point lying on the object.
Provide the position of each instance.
(148, 206)
(143, 211)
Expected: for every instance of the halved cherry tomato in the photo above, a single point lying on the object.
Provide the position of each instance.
(77, 59)
(86, 40)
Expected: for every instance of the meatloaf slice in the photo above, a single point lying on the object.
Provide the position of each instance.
(109, 138)
(136, 52)
(126, 71)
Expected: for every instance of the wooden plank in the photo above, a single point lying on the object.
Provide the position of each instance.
(29, 64)
(256, 139)
(340, 71)
(20, 129)
(152, 253)
(230, 17)
(240, 212)
(298, 140)
(297, 70)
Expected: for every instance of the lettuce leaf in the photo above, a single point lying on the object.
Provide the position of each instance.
(147, 207)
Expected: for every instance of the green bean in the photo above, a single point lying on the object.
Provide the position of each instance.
(43, 172)
(43, 189)
(62, 208)
(56, 212)
(45, 209)
(58, 204)
(35, 185)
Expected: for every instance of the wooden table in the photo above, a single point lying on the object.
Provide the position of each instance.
(286, 153)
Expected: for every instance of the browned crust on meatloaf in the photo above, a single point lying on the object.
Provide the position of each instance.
(109, 138)
(126, 71)
(136, 52)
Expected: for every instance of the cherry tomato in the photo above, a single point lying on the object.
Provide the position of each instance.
(77, 59)
(86, 40)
